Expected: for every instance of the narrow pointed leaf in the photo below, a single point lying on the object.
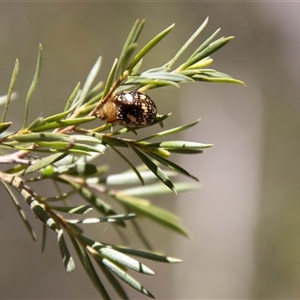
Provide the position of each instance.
(63, 123)
(149, 46)
(59, 116)
(89, 268)
(31, 199)
(172, 165)
(148, 255)
(136, 31)
(110, 219)
(138, 80)
(129, 46)
(181, 146)
(130, 164)
(4, 126)
(10, 90)
(187, 43)
(110, 77)
(210, 49)
(93, 96)
(131, 178)
(111, 141)
(44, 162)
(156, 150)
(157, 189)
(20, 212)
(36, 123)
(210, 77)
(89, 81)
(126, 277)
(33, 84)
(81, 209)
(113, 281)
(39, 211)
(64, 251)
(60, 197)
(206, 43)
(45, 136)
(137, 67)
(91, 198)
(198, 66)
(67, 146)
(171, 131)
(73, 95)
(144, 207)
(120, 259)
(155, 169)
(124, 59)
(84, 138)
(165, 76)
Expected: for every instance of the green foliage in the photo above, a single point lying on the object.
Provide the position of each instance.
(65, 154)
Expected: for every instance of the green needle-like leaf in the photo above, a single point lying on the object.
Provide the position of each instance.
(100, 252)
(158, 172)
(89, 81)
(131, 178)
(110, 219)
(205, 43)
(33, 84)
(81, 209)
(36, 137)
(89, 268)
(36, 123)
(113, 281)
(149, 46)
(134, 169)
(63, 123)
(10, 90)
(4, 126)
(144, 208)
(124, 58)
(46, 161)
(126, 277)
(111, 141)
(215, 76)
(152, 83)
(161, 76)
(172, 165)
(91, 198)
(181, 146)
(210, 49)
(171, 131)
(72, 97)
(59, 116)
(110, 78)
(148, 255)
(20, 211)
(187, 44)
(129, 46)
(64, 251)
(157, 189)
(68, 147)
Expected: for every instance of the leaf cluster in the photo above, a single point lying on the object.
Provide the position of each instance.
(62, 150)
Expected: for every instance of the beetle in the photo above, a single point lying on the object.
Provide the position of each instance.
(131, 108)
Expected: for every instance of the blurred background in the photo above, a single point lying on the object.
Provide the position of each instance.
(245, 219)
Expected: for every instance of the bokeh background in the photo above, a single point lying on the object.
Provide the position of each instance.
(245, 219)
